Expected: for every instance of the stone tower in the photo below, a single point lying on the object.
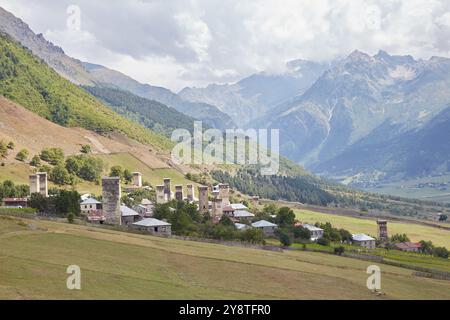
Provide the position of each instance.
(111, 194)
(382, 230)
(137, 179)
(224, 193)
(167, 191)
(43, 184)
(203, 206)
(39, 183)
(160, 195)
(190, 192)
(217, 208)
(34, 183)
(179, 192)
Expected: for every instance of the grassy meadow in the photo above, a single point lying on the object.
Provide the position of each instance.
(415, 232)
(34, 256)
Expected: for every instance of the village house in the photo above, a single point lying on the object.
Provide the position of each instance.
(154, 226)
(241, 226)
(364, 240)
(231, 208)
(145, 208)
(267, 227)
(408, 246)
(242, 214)
(316, 232)
(144, 211)
(128, 215)
(90, 205)
(15, 202)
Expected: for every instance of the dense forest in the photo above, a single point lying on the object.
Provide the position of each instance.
(149, 113)
(290, 188)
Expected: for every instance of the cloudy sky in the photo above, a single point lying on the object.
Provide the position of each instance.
(195, 42)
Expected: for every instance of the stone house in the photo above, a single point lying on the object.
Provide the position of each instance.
(364, 240)
(154, 226)
(267, 227)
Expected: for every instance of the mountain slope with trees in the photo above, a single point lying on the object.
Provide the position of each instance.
(30, 82)
(151, 114)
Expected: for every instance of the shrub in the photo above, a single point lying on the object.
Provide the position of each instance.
(53, 156)
(22, 155)
(441, 252)
(323, 241)
(35, 161)
(70, 217)
(339, 250)
(85, 149)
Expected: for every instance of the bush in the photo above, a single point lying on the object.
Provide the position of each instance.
(116, 171)
(11, 145)
(323, 241)
(441, 252)
(70, 217)
(35, 161)
(301, 233)
(85, 149)
(60, 176)
(53, 156)
(397, 238)
(339, 250)
(284, 237)
(22, 155)
(285, 217)
(85, 167)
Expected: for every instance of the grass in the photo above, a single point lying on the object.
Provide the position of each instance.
(415, 232)
(153, 175)
(19, 172)
(116, 265)
(407, 188)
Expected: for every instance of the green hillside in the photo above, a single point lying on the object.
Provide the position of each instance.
(149, 113)
(30, 82)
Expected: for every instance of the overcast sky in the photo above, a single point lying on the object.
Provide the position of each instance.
(193, 43)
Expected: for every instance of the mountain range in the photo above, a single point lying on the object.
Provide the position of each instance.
(363, 117)
(354, 116)
(84, 73)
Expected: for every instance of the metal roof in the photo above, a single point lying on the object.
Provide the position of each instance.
(151, 222)
(146, 202)
(361, 237)
(241, 226)
(263, 223)
(242, 214)
(127, 212)
(91, 201)
(311, 227)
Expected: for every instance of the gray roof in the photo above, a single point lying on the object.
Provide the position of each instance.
(146, 202)
(91, 201)
(311, 227)
(263, 224)
(127, 212)
(151, 222)
(238, 206)
(361, 237)
(242, 214)
(241, 226)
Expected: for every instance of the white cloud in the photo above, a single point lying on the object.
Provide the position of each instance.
(185, 43)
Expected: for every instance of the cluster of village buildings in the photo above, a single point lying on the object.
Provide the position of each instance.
(111, 210)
